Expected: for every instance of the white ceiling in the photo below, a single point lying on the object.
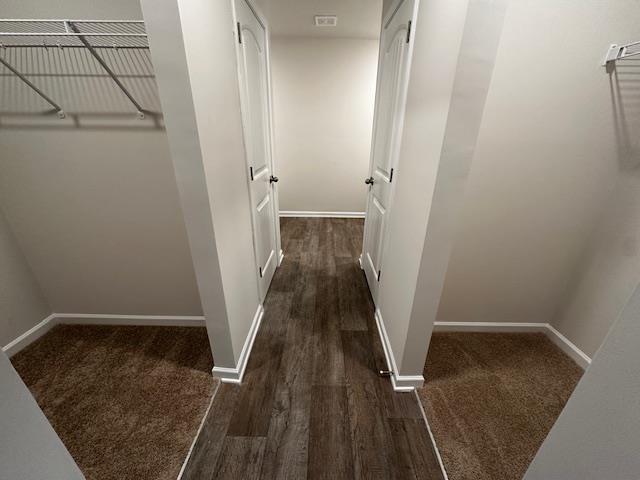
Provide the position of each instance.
(294, 18)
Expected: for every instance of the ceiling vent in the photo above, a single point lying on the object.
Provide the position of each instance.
(326, 20)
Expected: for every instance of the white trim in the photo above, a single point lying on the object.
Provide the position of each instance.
(400, 383)
(301, 213)
(280, 258)
(433, 439)
(488, 327)
(29, 336)
(48, 323)
(234, 375)
(200, 428)
(116, 319)
(569, 348)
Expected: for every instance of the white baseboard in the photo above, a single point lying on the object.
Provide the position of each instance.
(400, 383)
(234, 375)
(141, 320)
(296, 213)
(29, 336)
(554, 335)
(48, 323)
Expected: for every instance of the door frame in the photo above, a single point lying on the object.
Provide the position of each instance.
(395, 147)
(276, 204)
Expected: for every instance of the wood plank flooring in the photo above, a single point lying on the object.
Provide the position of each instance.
(311, 404)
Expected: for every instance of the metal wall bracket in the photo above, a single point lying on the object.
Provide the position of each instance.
(620, 52)
(31, 85)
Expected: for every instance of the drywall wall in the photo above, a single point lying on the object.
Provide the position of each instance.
(545, 166)
(483, 27)
(95, 208)
(22, 303)
(441, 121)
(597, 434)
(439, 22)
(215, 90)
(323, 100)
(29, 447)
(209, 160)
(609, 267)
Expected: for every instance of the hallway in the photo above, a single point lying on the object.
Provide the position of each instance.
(311, 404)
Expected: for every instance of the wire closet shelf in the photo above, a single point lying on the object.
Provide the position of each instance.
(98, 39)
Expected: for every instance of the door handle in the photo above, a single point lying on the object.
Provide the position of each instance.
(369, 181)
(273, 179)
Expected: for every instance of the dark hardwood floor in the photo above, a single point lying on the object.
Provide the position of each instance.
(311, 404)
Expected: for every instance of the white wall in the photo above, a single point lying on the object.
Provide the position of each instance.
(96, 210)
(441, 123)
(545, 165)
(597, 434)
(609, 267)
(193, 47)
(323, 93)
(29, 447)
(22, 304)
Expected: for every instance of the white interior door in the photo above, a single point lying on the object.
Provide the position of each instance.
(393, 70)
(256, 115)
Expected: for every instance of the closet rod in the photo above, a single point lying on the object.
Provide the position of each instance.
(106, 68)
(48, 99)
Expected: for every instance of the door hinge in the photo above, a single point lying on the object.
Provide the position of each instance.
(251, 173)
(240, 32)
(391, 175)
(379, 272)
(260, 271)
(408, 31)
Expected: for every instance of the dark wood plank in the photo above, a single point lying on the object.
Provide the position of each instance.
(359, 363)
(353, 299)
(413, 450)
(212, 436)
(328, 368)
(372, 444)
(286, 454)
(330, 454)
(255, 402)
(241, 458)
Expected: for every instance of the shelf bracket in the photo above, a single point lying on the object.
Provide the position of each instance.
(620, 52)
(33, 87)
(70, 25)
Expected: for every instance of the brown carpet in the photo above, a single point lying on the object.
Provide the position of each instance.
(491, 399)
(126, 401)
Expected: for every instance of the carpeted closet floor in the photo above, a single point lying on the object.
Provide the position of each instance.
(491, 399)
(126, 401)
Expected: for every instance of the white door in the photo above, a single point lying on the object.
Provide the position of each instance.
(256, 116)
(393, 70)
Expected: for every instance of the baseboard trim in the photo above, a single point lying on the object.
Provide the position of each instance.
(30, 336)
(234, 375)
(140, 320)
(300, 213)
(433, 439)
(54, 319)
(568, 347)
(400, 383)
(280, 258)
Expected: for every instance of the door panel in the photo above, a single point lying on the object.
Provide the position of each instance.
(252, 55)
(390, 100)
